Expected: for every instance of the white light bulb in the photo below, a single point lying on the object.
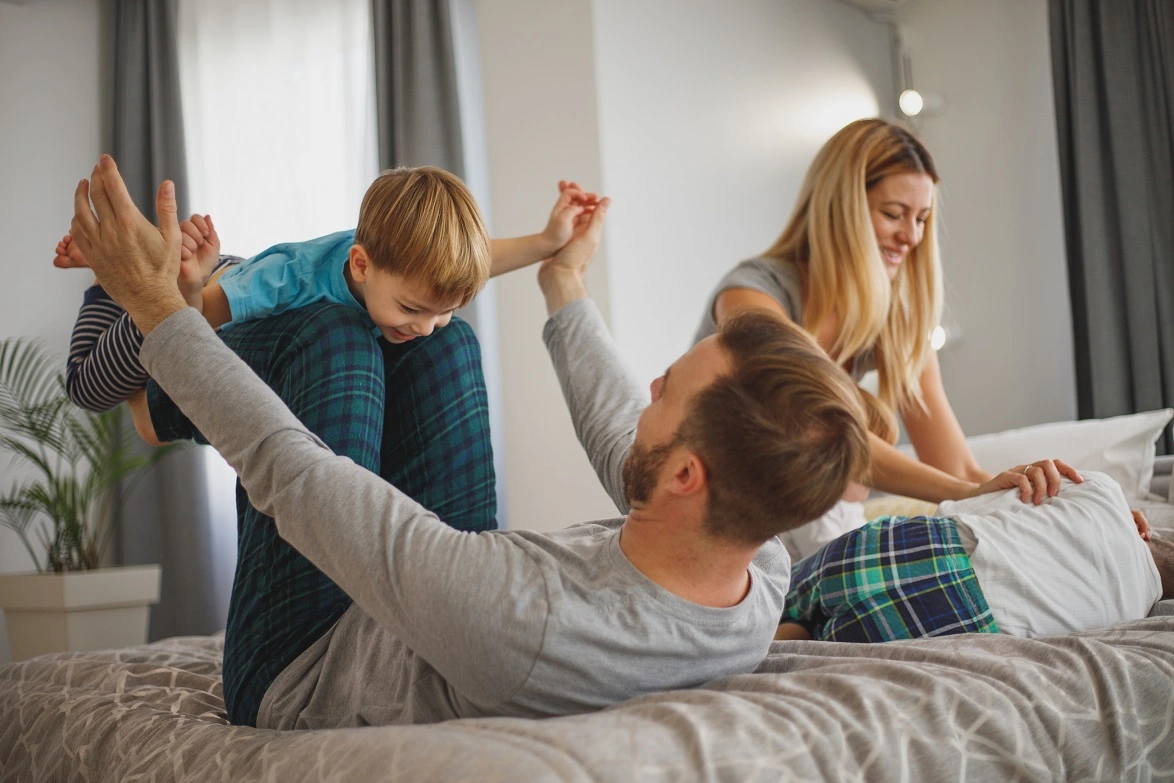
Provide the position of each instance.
(911, 103)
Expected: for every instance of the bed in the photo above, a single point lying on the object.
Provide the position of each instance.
(1095, 706)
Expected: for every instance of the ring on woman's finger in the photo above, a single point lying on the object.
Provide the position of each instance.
(1027, 468)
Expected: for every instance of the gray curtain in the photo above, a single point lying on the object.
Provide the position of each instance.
(167, 518)
(418, 115)
(148, 117)
(1113, 72)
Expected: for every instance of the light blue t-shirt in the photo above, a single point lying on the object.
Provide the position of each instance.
(289, 276)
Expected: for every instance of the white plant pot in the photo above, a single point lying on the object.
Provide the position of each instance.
(77, 611)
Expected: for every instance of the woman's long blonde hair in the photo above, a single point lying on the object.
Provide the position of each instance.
(830, 238)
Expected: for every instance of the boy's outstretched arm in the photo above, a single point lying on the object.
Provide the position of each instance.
(572, 207)
(214, 305)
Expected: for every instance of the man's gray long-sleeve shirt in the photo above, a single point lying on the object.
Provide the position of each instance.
(448, 624)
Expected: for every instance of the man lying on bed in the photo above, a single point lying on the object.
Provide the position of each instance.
(990, 564)
(749, 433)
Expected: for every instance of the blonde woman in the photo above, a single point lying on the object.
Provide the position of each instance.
(857, 267)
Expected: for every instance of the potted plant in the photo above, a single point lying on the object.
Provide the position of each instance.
(63, 506)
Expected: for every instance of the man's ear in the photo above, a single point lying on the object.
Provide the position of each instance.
(690, 476)
(360, 263)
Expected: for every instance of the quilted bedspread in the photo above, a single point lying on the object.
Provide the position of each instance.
(1097, 706)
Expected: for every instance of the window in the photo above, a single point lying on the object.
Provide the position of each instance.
(279, 115)
(279, 120)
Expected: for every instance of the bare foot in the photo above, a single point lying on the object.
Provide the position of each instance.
(69, 256)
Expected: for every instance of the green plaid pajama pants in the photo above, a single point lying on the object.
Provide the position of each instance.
(893, 578)
(415, 413)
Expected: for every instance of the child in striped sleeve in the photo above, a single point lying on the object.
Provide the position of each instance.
(420, 252)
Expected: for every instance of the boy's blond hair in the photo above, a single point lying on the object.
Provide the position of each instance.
(423, 223)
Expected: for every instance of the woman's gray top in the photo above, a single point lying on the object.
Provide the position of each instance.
(780, 281)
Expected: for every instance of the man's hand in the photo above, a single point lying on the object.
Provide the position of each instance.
(1036, 482)
(563, 278)
(135, 262)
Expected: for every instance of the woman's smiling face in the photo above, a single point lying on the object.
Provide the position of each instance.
(899, 205)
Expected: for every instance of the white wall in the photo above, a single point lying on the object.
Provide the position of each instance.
(50, 136)
(1003, 244)
(541, 125)
(710, 114)
(699, 118)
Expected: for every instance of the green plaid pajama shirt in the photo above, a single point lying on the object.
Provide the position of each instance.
(893, 578)
(415, 413)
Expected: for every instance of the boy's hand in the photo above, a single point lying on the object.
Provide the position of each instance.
(200, 240)
(572, 209)
(199, 254)
(563, 278)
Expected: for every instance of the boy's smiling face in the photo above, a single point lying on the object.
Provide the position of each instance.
(402, 309)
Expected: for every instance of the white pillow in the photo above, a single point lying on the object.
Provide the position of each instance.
(1121, 447)
(1072, 563)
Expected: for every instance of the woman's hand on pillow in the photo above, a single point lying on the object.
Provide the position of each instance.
(1036, 482)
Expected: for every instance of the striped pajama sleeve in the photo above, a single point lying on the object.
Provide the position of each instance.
(103, 368)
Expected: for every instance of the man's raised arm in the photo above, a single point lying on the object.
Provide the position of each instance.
(602, 397)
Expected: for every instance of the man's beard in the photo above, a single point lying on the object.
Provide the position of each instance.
(641, 469)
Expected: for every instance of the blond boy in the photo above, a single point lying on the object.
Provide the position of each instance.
(420, 252)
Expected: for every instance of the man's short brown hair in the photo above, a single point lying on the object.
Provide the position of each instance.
(781, 435)
(424, 224)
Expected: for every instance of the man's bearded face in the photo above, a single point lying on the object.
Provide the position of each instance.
(641, 469)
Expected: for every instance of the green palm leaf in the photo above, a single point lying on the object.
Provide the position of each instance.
(18, 514)
(27, 376)
(77, 458)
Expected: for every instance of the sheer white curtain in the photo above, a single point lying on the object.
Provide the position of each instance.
(279, 118)
(278, 102)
